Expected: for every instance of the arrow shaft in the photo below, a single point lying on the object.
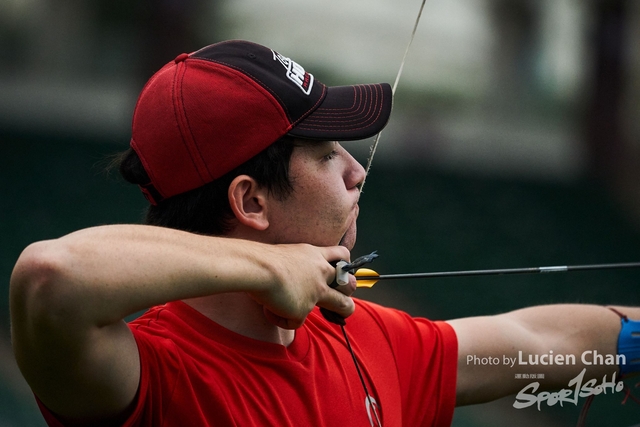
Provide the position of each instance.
(495, 272)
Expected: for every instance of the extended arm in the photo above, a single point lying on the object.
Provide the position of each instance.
(553, 331)
(69, 296)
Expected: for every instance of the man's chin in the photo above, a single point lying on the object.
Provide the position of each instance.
(349, 238)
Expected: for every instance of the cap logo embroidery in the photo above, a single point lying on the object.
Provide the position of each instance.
(295, 73)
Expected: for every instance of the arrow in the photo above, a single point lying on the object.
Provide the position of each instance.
(366, 277)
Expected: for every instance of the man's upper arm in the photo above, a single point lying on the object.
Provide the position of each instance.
(78, 370)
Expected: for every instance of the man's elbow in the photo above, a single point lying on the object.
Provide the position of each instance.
(36, 293)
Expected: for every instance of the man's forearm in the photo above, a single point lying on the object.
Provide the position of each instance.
(547, 340)
(103, 274)
(107, 273)
(570, 337)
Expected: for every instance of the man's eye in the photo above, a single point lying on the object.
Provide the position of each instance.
(331, 155)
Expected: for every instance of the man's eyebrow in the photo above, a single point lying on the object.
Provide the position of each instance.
(316, 146)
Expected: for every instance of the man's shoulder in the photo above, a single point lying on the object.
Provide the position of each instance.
(379, 313)
(393, 322)
(168, 324)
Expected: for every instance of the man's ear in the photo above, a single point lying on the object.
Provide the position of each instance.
(248, 202)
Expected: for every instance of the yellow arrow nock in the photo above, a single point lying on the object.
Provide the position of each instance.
(368, 282)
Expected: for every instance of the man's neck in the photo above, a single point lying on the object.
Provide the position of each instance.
(241, 314)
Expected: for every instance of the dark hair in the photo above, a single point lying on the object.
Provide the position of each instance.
(206, 209)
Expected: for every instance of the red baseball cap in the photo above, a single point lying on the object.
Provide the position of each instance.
(206, 113)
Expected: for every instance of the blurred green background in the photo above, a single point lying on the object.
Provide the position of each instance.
(514, 142)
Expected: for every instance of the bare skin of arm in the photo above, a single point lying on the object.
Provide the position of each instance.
(69, 296)
(563, 329)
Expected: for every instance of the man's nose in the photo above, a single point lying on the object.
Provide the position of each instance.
(356, 173)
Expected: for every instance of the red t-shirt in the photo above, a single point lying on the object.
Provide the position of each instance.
(196, 373)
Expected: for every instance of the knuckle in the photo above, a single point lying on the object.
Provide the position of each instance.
(345, 304)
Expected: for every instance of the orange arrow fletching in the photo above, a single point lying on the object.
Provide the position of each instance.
(368, 282)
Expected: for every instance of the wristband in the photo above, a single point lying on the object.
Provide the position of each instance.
(629, 346)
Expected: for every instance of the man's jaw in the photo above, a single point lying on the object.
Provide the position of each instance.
(348, 239)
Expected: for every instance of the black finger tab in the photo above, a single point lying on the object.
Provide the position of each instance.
(333, 317)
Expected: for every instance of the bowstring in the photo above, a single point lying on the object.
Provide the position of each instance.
(364, 384)
(372, 152)
(376, 140)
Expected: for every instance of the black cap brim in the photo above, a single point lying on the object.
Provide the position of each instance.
(348, 113)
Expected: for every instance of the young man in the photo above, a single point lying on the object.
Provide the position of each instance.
(252, 200)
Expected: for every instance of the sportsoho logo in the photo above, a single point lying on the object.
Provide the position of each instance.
(295, 73)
